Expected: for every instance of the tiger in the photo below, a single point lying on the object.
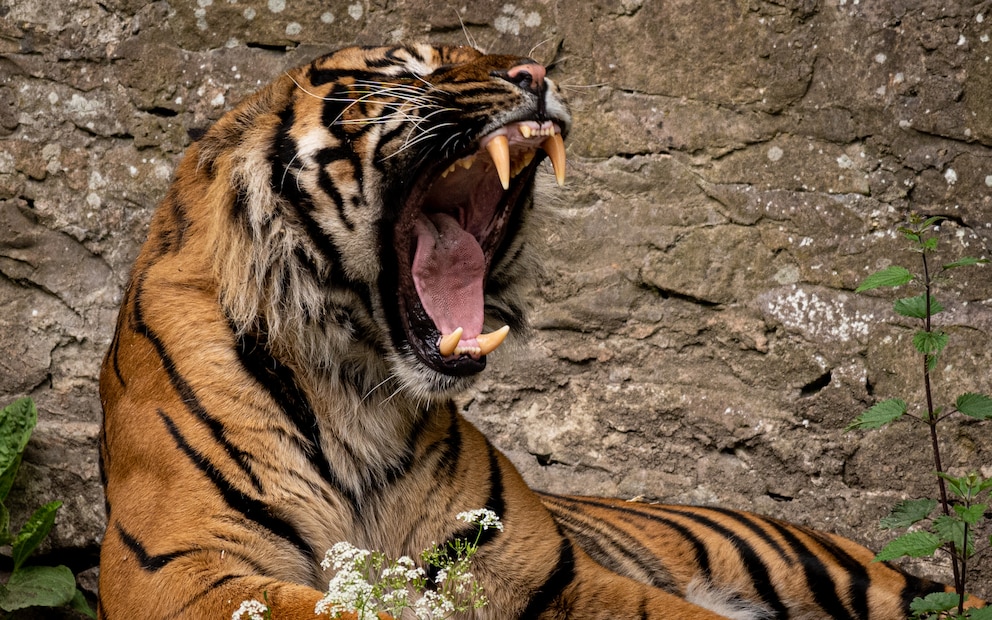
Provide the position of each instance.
(334, 261)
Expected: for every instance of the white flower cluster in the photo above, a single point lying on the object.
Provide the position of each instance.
(250, 610)
(367, 582)
(483, 517)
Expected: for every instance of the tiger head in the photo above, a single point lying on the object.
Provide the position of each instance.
(378, 197)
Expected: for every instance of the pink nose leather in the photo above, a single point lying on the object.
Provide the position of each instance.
(534, 70)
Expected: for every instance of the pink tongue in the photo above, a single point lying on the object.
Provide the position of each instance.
(448, 269)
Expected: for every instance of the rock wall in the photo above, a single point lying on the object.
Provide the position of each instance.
(735, 172)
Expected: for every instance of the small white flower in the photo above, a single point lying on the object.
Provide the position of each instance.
(483, 517)
(250, 610)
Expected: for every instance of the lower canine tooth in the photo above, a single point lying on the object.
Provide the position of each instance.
(554, 146)
(489, 342)
(449, 343)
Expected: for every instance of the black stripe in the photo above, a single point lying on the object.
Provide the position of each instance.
(818, 578)
(280, 382)
(560, 578)
(181, 612)
(860, 581)
(320, 76)
(150, 563)
(753, 563)
(250, 508)
(701, 556)
(916, 587)
(186, 393)
(746, 520)
(497, 500)
(325, 157)
(593, 533)
(280, 156)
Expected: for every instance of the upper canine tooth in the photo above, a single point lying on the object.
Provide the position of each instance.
(489, 342)
(499, 150)
(554, 146)
(449, 343)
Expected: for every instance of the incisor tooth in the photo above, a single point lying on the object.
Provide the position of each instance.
(554, 146)
(489, 342)
(449, 343)
(499, 150)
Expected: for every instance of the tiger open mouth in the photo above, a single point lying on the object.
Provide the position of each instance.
(451, 228)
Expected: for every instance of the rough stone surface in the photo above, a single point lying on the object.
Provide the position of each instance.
(734, 174)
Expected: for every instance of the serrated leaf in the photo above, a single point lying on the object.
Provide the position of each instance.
(879, 415)
(80, 604)
(971, 514)
(38, 586)
(908, 512)
(951, 530)
(935, 602)
(5, 536)
(17, 420)
(916, 307)
(966, 262)
(975, 405)
(33, 532)
(984, 613)
(913, 544)
(930, 343)
(960, 487)
(890, 276)
(930, 244)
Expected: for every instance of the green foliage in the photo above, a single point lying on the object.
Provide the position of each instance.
(890, 276)
(943, 606)
(961, 507)
(913, 544)
(975, 405)
(908, 512)
(916, 307)
(879, 415)
(29, 586)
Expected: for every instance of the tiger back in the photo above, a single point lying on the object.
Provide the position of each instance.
(334, 260)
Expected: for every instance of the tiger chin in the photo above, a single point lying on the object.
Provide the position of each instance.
(335, 258)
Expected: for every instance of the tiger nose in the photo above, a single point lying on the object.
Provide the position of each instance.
(528, 75)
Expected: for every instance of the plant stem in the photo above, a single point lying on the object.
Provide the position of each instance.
(932, 423)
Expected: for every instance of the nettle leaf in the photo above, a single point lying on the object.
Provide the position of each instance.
(79, 603)
(952, 530)
(930, 221)
(975, 405)
(890, 276)
(930, 244)
(935, 602)
(881, 414)
(967, 261)
(908, 512)
(930, 343)
(971, 514)
(913, 544)
(985, 613)
(38, 586)
(916, 307)
(960, 487)
(17, 420)
(33, 532)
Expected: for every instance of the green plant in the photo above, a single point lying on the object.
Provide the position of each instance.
(368, 583)
(29, 586)
(962, 510)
